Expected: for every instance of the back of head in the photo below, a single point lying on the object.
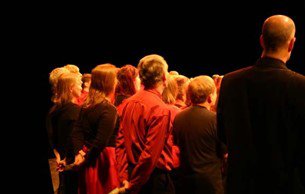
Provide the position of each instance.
(86, 79)
(169, 94)
(126, 76)
(151, 70)
(200, 88)
(103, 78)
(182, 83)
(103, 81)
(277, 32)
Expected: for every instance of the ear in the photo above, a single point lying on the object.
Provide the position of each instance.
(291, 44)
(261, 41)
(209, 99)
(164, 77)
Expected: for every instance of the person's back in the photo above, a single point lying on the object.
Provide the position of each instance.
(143, 153)
(260, 112)
(195, 133)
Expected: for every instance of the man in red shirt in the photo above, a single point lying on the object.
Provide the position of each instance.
(144, 153)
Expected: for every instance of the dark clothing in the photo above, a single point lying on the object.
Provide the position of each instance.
(143, 137)
(195, 133)
(261, 114)
(60, 123)
(119, 99)
(159, 182)
(96, 129)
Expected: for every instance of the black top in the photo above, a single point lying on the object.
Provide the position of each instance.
(60, 122)
(97, 128)
(195, 133)
(261, 118)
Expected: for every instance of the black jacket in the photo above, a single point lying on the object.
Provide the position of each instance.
(261, 114)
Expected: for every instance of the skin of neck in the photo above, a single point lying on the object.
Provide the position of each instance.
(281, 55)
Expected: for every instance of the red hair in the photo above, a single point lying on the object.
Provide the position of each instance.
(126, 76)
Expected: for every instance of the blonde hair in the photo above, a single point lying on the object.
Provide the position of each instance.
(200, 88)
(53, 79)
(65, 82)
(72, 68)
(170, 92)
(182, 83)
(103, 81)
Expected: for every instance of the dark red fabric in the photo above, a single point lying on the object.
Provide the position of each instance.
(175, 149)
(102, 177)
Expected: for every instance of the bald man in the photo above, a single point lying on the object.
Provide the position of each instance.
(261, 115)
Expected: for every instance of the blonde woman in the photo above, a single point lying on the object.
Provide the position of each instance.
(60, 122)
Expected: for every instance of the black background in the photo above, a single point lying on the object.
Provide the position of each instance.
(195, 39)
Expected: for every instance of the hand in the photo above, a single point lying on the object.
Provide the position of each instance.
(79, 159)
(126, 184)
(61, 165)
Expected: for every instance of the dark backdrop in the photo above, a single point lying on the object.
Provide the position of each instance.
(197, 39)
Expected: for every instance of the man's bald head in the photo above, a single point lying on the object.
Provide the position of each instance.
(277, 32)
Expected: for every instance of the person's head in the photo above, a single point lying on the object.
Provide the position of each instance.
(153, 71)
(217, 80)
(86, 79)
(53, 79)
(73, 69)
(69, 88)
(182, 83)
(278, 36)
(202, 90)
(103, 82)
(173, 73)
(170, 91)
(128, 80)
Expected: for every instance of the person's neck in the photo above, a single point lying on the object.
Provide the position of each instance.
(160, 87)
(110, 98)
(205, 104)
(276, 55)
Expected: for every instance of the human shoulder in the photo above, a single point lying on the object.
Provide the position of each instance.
(237, 73)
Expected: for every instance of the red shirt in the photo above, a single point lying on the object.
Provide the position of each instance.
(175, 149)
(143, 137)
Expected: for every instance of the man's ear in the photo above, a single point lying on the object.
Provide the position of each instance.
(261, 41)
(291, 44)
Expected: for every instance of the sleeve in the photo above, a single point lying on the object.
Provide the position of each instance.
(121, 155)
(149, 157)
(220, 120)
(105, 129)
(77, 135)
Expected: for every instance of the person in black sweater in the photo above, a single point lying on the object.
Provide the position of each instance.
(195, 134)
(94, 134)
(60, 122)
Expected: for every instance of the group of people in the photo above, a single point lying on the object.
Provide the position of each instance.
(148, 130)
